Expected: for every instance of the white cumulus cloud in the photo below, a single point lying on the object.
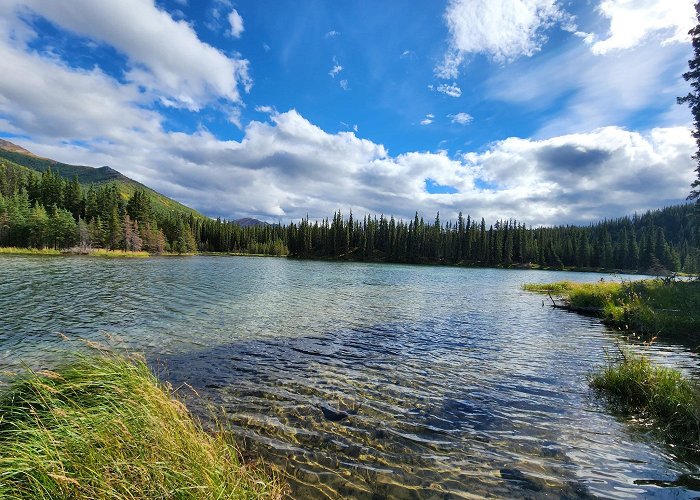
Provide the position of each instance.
(461, 118)
(165, 55)
(337, 68)
(43, 97)
(634, 21)
(236, 22)
(501, 29)
(451, 90)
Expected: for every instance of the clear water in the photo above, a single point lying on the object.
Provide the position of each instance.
(450, 382)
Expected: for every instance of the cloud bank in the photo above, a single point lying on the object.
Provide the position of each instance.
(287, 167)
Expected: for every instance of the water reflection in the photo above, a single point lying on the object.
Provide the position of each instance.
(363, 380)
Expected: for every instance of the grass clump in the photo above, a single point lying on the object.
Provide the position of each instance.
(90, 252)
(117, 254)
(648, 306)
(103, 427)
(104, 252)
(664, 395)
(28, 251)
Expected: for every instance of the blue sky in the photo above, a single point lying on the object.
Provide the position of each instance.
(542, 110)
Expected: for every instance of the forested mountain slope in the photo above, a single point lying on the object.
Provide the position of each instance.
(12, 154)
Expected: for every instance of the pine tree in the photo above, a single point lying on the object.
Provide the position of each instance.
(132, 238)
(4, 221)
(185, 242)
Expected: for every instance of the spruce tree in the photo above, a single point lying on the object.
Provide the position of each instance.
(63, 231)
(692, 99)
(38, 227)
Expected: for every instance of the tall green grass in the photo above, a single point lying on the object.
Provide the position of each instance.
(662, 394)
(649, 306)
(103, 427)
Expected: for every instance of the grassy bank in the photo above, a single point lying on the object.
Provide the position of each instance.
(90, 252)
(671, 401)
(239, 254)
(103, 427)
(649, 306)
(28, 251)
(109, 254)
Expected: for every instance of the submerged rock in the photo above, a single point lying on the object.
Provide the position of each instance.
(336, 415)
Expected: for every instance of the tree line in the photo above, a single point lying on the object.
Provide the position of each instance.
(658, 240)
(45, 210)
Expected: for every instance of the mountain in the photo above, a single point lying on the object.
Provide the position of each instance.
(250, 222)
(14, 148)
(17, 155)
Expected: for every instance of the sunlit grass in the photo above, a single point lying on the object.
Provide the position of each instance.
(88, 252)
(637, 386)
(652, 306)
(103, 427)
(28, 251)
(116, 254)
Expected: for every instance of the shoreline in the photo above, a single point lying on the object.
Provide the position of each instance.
(49, 252)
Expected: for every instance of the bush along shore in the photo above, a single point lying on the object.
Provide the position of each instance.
(104, 427)
(657, 307)
(634, 385)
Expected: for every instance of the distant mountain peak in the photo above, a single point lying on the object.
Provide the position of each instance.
(9, 146)
(249, 221)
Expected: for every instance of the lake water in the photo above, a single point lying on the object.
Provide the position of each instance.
(455, 382)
